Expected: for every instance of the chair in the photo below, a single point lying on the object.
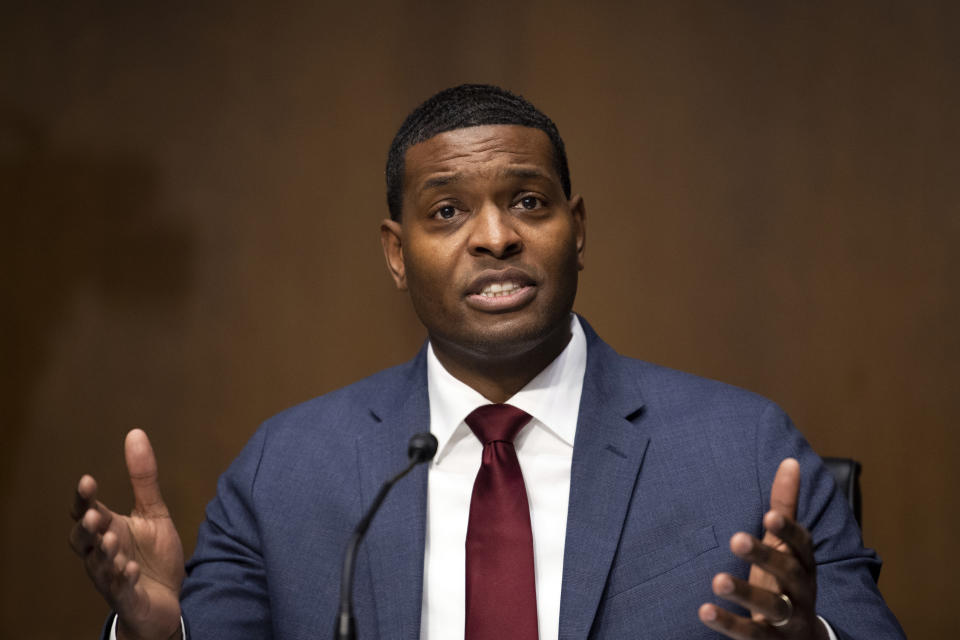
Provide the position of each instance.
(846, 472)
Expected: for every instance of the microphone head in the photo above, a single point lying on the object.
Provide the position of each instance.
(422, 448)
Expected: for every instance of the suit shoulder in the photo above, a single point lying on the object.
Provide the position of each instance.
(350, 404)
(664, 380)
(715, 418)
(665, 389)
(679, 393)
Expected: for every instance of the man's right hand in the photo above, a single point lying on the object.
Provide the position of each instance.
(135, 561)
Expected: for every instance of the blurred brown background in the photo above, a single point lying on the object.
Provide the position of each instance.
(190, 195)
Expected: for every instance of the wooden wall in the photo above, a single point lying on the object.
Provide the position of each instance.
(190, 195)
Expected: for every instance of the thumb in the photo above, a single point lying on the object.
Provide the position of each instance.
(786, 486)
(142, 467)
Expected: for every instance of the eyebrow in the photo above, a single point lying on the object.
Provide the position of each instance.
(524, 172)
(440, 181)
(510, 172)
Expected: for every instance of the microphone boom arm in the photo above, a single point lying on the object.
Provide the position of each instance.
(422, 449)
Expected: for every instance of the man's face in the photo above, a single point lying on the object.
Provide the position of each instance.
(488, 245)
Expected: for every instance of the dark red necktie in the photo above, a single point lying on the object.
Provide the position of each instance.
(501, 588)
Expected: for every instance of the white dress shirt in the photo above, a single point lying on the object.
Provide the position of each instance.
(545, 451)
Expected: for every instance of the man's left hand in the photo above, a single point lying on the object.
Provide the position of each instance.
(782, 590)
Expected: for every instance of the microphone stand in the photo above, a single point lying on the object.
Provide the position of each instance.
(422, 448)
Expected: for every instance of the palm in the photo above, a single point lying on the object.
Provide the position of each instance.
(155, 546)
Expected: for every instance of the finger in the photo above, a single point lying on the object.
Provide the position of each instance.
(126, 588)
(81, 540)
(786, 486)
(730, 625)
(110, 545)
(119, 563)
(785, 568)
(85, 535)
(116, 578)
(131, 571)
(142, 466)
(100, 567)
(97, 519)
(85, 497)
(758, 600)
(796, 537)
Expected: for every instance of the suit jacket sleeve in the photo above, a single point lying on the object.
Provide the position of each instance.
(225, 593)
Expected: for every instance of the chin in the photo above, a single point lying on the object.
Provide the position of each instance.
(511, 338)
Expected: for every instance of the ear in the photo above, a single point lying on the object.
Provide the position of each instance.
(391, 237)
(578, 209)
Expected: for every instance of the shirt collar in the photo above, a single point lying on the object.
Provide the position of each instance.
(552, 397)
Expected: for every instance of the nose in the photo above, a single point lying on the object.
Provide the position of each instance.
(493, 233)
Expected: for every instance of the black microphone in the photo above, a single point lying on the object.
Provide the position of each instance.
(422, 448)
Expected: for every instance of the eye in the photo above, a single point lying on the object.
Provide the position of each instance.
(529, 203)
(445, 212)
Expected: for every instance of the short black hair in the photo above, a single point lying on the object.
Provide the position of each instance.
(467, 105)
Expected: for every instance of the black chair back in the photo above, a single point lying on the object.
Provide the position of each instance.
(846, 472)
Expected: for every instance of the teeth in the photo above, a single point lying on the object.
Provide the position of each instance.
(498, 289)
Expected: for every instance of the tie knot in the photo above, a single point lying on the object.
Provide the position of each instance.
(497, 422)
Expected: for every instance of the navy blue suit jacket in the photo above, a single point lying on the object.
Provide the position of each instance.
(666, 467)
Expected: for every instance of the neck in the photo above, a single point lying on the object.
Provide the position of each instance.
(498, 377)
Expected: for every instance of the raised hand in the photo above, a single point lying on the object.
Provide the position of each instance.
(782, 590)
(135, 561)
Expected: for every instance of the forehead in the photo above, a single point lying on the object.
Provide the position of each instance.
(481, 150)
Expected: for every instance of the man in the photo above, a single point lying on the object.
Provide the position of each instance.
(634, 477)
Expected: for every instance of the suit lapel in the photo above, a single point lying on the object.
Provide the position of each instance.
(607, 455)
(395, 541)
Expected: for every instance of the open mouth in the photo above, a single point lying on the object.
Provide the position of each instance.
(500, 291)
